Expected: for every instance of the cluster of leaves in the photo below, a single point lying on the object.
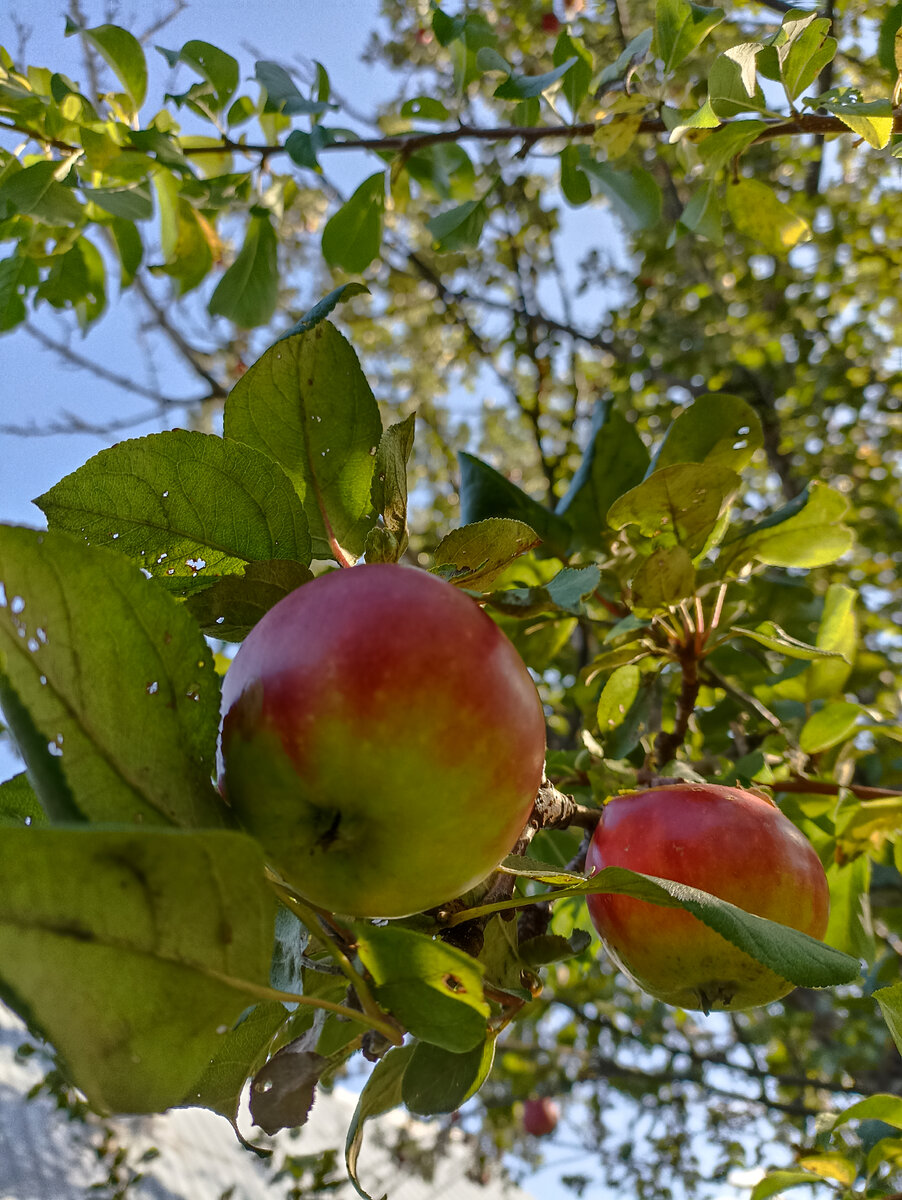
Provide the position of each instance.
(689, 126)
(98, 168)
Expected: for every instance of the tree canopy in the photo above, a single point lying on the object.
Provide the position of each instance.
(605, 333)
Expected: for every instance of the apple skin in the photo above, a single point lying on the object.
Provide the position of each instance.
(382, 739)
(727, 841)
(540, 1116)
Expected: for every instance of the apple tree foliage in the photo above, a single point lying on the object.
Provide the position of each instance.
(661, 244)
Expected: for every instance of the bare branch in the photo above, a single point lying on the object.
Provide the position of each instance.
(99, 372)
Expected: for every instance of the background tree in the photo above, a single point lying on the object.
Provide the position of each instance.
(575, 228)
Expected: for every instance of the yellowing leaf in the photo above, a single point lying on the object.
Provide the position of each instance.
(757, 212)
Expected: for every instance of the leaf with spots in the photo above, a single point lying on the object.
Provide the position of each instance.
(306, 404)
(475, 555)
(133, 952)
(114, 676)
(433, 989)
(717, 429)
(18, 803)
(388, 541)
(187, 507)
(678, 505)
(235, 603)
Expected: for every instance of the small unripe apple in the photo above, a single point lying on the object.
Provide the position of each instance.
(540, 1116)
(382, 739)
(732, 843)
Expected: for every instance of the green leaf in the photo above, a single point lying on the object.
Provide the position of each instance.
(615, 460)
(703, 118)
(458, 228)
(475, 555)
(872, 120)
(235, 603)
(439, 1081)
(76, 280)
(794, 956)
(889, 42)
(433, 989)
(101, 930)
(565, 593)
(445, 170)
(17, 275)
(307, 405)
(218, 68)
(381, 1093)
(779, 1181)
(679, 28)
(578, 78)
(249, 290)
(130, 203)
(758, 213)
(44, 767)
(551, 948)
(35, 191)
(769, 634)
(632, 192)
(717, 429)
(323, 307)
(18, 803)
(803, 50)
(446, 29)
(837, 632)
(122, 52)
(575, 183)
(484, 492)
(733, 89)
(523, 87)
(850, 928)
(531, 868)
(117, 678)
(881, 1107)
(663, 579)
(623, 709)
(389, 492)
(353, 236)
(703, 214)
(726, 143)
(427, 108)
(185, 506)
(282, 94)
(806, 532)
(129, 247)
(239, 1054)
(679, 505)
(831, 725)
(633, 54)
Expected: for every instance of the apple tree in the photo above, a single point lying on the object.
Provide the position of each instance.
(606, 343)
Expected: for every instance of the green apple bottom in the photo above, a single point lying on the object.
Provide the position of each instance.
(382, 739)
(384, 742)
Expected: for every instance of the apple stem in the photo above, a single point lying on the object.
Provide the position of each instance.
(381, 1023)
(314, 920)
